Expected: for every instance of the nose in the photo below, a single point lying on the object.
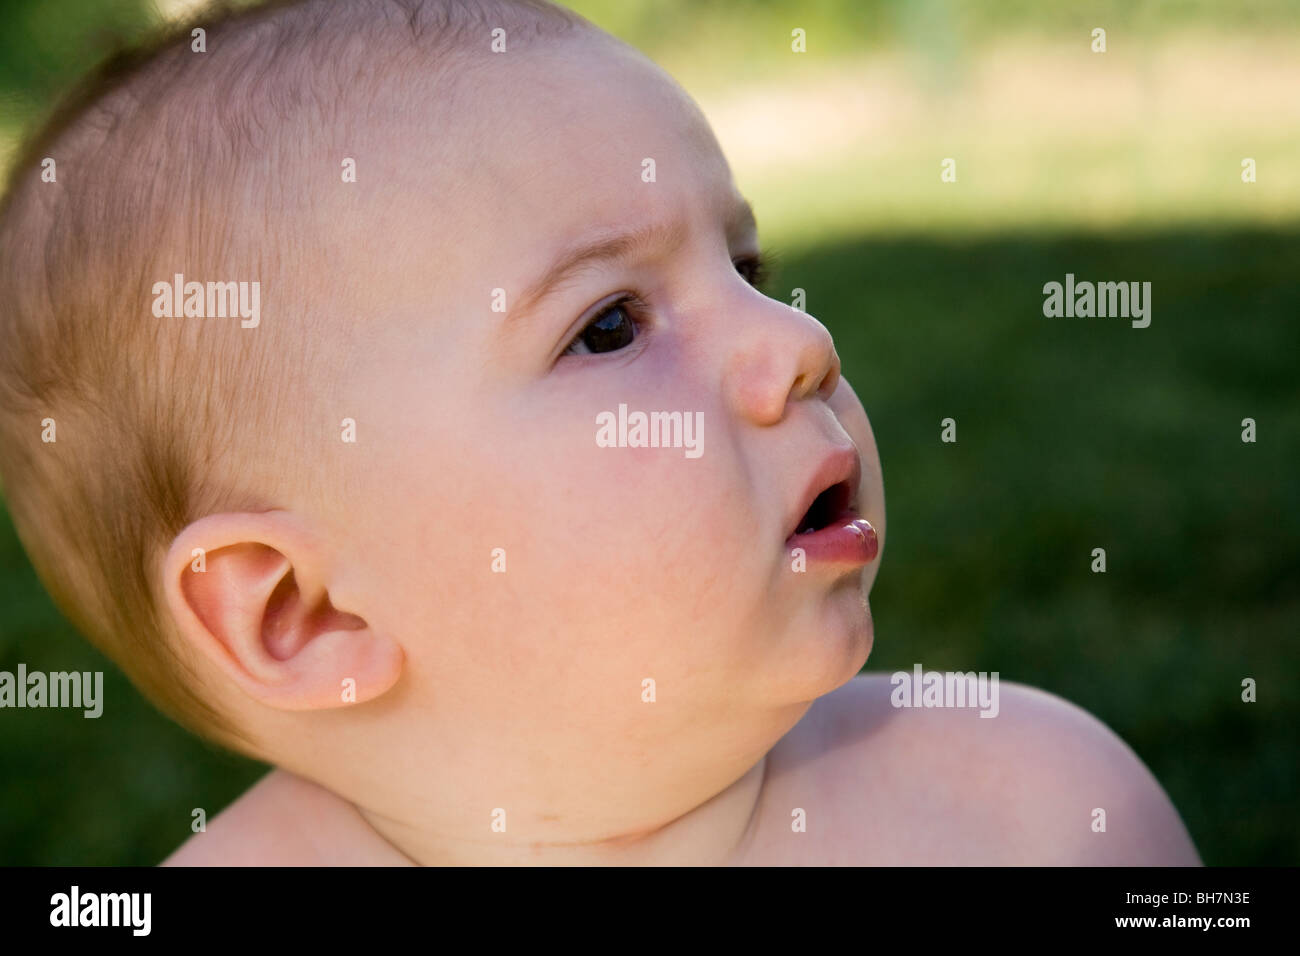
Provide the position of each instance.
(781, 355)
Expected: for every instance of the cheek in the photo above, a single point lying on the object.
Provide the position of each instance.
(638, 555)
(634, 530)
(616, 561)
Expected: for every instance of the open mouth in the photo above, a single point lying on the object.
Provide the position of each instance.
(828, 507)
(831, 533)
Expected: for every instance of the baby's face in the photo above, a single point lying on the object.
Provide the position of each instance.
(477, 429)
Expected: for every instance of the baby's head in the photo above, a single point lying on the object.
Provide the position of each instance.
(401, 528)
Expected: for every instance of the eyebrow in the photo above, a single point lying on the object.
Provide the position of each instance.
(620, 245)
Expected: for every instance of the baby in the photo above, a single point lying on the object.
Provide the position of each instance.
(387, 387)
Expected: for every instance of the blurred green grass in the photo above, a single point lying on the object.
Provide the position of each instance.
(1082, 433)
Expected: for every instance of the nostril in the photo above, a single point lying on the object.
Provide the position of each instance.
(831, 380)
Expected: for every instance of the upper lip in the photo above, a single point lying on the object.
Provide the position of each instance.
(842, 465)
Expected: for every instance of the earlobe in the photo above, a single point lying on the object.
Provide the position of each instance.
(258, 606)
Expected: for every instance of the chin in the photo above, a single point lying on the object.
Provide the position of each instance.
(835, 646)
(859, 629)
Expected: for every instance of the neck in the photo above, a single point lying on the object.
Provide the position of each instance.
(718, 832)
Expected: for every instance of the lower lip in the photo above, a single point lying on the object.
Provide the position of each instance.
(850, 540)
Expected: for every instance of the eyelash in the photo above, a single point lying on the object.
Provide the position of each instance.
(759, 265)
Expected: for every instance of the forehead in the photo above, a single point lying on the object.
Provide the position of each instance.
(587, 134)
(529, 155)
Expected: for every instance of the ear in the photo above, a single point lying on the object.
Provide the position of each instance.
(256, 603)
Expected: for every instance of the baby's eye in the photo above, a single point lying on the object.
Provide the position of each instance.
(616, 326)
(613, 329)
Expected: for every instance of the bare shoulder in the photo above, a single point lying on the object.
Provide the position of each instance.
(1033, 785)
(258, 829)
(283, 820)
